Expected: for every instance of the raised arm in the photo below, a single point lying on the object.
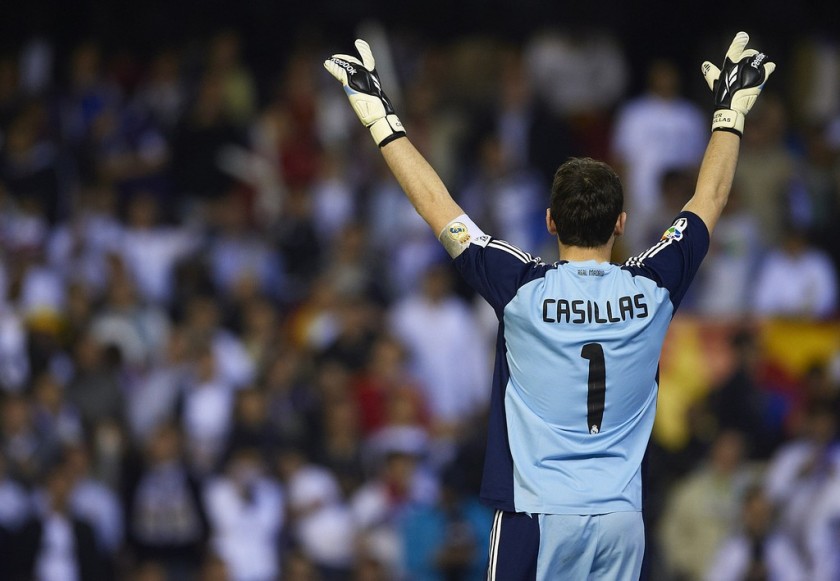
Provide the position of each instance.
(735, 90)
(418, 179)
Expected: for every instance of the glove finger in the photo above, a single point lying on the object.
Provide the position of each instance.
(768, 70)
(367, 56)
(336, 71)
(348, 58)
(749, 53)
(737, 47)
(711, 73)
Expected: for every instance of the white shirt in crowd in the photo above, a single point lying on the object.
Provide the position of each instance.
(325, 522)
(733, 559)
(207, 417)
(653, 135)
(57, 555)
(449, 360)
(796, 285)
(151, 256)
(246, 527)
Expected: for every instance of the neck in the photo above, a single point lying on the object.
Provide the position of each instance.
(582, 253)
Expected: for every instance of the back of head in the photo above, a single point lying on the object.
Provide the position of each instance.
(586, 200)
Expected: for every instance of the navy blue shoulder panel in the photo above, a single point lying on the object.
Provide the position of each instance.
(674, 260)
(497, 270)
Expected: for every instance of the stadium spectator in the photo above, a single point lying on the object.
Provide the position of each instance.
(766, 172)
(380, 506)
(795, 280)
(29, 164)
(95, 502)
(14, 361)
(338, 445)
(203, 321)
(162, 94)
(57, 545)
(357, 321)
(156, 391)
(702, 508)
(748, 399)
(15, 504)
(818, 176)
(96, 388)
(252, 427)
(28, 453)
(239, 256)
(822, 543)
(655, 132)
(385, 387)
(531, 135)
(246, 516)
(445, 540)
(320, 521)
(391, 217)
(239, 91)
(81, 246)
(165, 520)
(758, 550)
(577, 70)
(799, 475)
(452, 372)
(151, 250)
(290, 401)
(206, 413)
(726, 283)
(504, 194)
(139, 329)
(200, 135)
(52, 414)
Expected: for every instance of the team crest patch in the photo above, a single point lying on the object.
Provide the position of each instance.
(458, 232)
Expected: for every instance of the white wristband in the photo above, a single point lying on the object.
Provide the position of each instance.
(385, 127)
(728, 120)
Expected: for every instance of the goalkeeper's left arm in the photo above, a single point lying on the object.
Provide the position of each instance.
(418, 179)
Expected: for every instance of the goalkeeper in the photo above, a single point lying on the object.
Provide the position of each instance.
(576, 373)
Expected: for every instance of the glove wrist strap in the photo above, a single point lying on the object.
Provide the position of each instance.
(387, 129)
(728, 120)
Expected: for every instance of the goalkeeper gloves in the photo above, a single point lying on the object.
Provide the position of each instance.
(361, 83)
(738, 85)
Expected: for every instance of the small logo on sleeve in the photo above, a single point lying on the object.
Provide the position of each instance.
(675, 232)
(459, 233)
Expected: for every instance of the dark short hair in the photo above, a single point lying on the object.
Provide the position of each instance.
(586, 199)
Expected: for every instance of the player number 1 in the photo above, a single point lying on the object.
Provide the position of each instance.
(597, 384)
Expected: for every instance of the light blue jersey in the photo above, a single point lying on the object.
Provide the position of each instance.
(576, 377)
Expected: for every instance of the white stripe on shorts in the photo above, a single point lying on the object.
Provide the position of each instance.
(495, 533)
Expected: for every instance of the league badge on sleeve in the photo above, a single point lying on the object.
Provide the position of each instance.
(675, 232)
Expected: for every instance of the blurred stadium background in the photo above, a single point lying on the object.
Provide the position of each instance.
(230, 350)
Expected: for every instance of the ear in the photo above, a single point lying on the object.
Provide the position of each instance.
(619, 224)
(549, 223)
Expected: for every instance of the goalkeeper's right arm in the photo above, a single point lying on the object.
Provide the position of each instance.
(421, 184)
(735, 88)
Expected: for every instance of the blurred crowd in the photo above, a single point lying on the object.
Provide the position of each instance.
(229, 349)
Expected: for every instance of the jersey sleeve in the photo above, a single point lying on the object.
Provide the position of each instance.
(674, 260)
(493, 267)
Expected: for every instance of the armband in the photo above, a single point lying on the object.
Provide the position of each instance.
(459, 234)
